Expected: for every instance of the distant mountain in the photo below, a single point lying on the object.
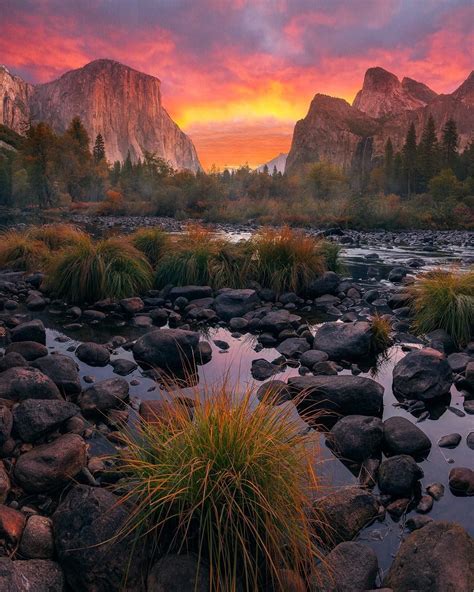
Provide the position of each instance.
(279, 162)
(352, 136)
(122, 104)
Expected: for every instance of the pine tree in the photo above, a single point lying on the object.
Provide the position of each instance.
(99, 149)
(410, 150)
(428, 154)
(78, 133)
(388, 166)
(449, 145)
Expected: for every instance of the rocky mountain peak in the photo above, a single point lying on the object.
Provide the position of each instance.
(418, 90)
(465, 92)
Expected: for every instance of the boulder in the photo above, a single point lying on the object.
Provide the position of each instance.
(34, 418)
(93, 354)
(461, 481)
(422, 374)
(6, 423)
(274, 392)
(326, 284)
(435, 558)
(459, 361)
(357, 437)
(293, 347)
(34, 575)
(262, 369)
(397, 274)
(84, 526)
(190, 292)
(277, 321)
(12, 360)
(12, 523)
(37, 539)
(450, 440)
(30, 350)
(51, 466)
(110, 393)
(235, 303)
(19, 383)
(441, 340)
(123, 367)
(63, 372)
(401, 436)
(398, 475)
(469, 377)
(178, 573)
(29, 331)
(344, 340)
(313, 356)
(132, 306)
(167, 349)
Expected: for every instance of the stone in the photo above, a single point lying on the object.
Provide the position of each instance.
(470, 440)
(401, 436)
(30, 350)
(344, 340)
(12, 524)
(312, 357)
(326, 368)
(441, 340)
(12, 360)
(435, 490)
(238, 324)
(449, 441)
(425, 504)
(349, 567)
(293, 347)
(63, 372)
(422, 374)
(37, 539)
(132, 306)
(103, 395)
(276, 321)
(356, 437)
(6, 424)
(123, 367)
(435, 558)
(398, 475)
(190, 292)
(19, 383)
(33, 575)
(415, 522)
(5, 484)
(178, 573)
(235, 303)
(469, 377)
(397, 274)
(274, 392)
(51, 466)
(29, 331)
(326, 284)
(459, 361)
(169, 349)
(84, 526)
(93, 354)
(34, 418)
(461, 481)
(204, 352)
(262, 369)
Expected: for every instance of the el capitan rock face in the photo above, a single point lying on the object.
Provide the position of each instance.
(354, 135)
(122, 104)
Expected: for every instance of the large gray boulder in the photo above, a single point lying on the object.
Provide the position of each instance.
(20, 383)
(326, 284)
(29, 331)
(63, 372)
(93, 354)
(422, 374)
(277, 321)
(33, 575)
(30, 350)
(436, 558)
(398, 475)
(170, 349)
(235, 303)
(344, 340)
(110, 393)
(357, 437)
(401, 436)
(34, 418)
(293, 347)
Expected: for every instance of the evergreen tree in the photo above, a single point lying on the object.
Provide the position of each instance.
(449, 145)
(428, 154)
(40, 155)
(78, 134)
(5, 180)
(388, 166)
(99, 149)
(397, 173)
(410, 150)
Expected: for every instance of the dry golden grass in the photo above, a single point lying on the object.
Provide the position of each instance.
(19, 251)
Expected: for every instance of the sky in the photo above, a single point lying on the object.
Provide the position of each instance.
(237, 75)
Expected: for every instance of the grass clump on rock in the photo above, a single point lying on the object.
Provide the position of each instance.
(152, 242)
(232, 486)
(89, 271)
(57, 236)
(445, 300)
(380, 339)
(19, 251)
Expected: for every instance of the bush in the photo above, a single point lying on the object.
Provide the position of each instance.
(89, 271)
(285, 259)
(152, 242)
(331, 252)
(57, 236)
(20, 252)
(445, 300)
(233, 485)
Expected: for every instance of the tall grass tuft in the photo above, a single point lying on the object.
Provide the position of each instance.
(152, 242)
(57, 236)
(233, 485)
(286, 259)
(380, 334)
(20, 252)
(88, 271)
(445, 300)
(331, 252)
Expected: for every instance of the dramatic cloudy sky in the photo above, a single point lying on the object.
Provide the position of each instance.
(236, 75)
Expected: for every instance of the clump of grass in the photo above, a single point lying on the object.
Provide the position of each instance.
(445, 300)
(233, 485)
(380, 334)
(152, 242)
(56, 236)
(331, 252)
(88, 271)
(21, 252)
(286, 259)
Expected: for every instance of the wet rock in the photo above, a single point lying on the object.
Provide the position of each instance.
(5, 484)
(123, 367)
(326, 368)
(398, 507)
(312, 357)
(349, 567)
(34, 575)
(346, 511)
(356, 437)
(401, 436)
(468, 406)
(30, 350)
(84, 526)
(327, 284)
(18, 384)
(204, 352)
(93, 354)
(51, 466)
(469, 377)
(223, 345)
(459, 361)
(190, 292)
(132, 306)
(435, 558)
(449, 441)
(12, 524)
(142, 321)
(399, 300)
(110, 393)
(6, 423)
(422, 374)
(238, 324)
(435, 490)
(37, 539)
(63, 371)
(235, 303)
(178, 573)
(461, 481)
(93, 316)
(344, 340)
(470, 440)
(442, 341)
(167, 348)
(12, 360)
(293, 347)
(274, 392)
(397, 274)
(29, 331)
(398, 475)
(262, 369)
(277, 321)
(425, 504)
(34, 418)
(416, 522)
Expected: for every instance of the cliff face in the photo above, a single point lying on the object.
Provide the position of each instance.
(122, 104)
(341, 134)
(15, 96)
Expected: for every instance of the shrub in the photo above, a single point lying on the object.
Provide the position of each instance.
(445, 300)
(89, 271)
(331, 252)
(20, 252)
(233, 485)
(57, 236)
(285, 259)
(152, 242)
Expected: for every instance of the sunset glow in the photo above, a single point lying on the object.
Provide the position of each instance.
(237, 75)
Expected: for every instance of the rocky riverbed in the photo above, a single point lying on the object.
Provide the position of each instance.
(396, 443)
